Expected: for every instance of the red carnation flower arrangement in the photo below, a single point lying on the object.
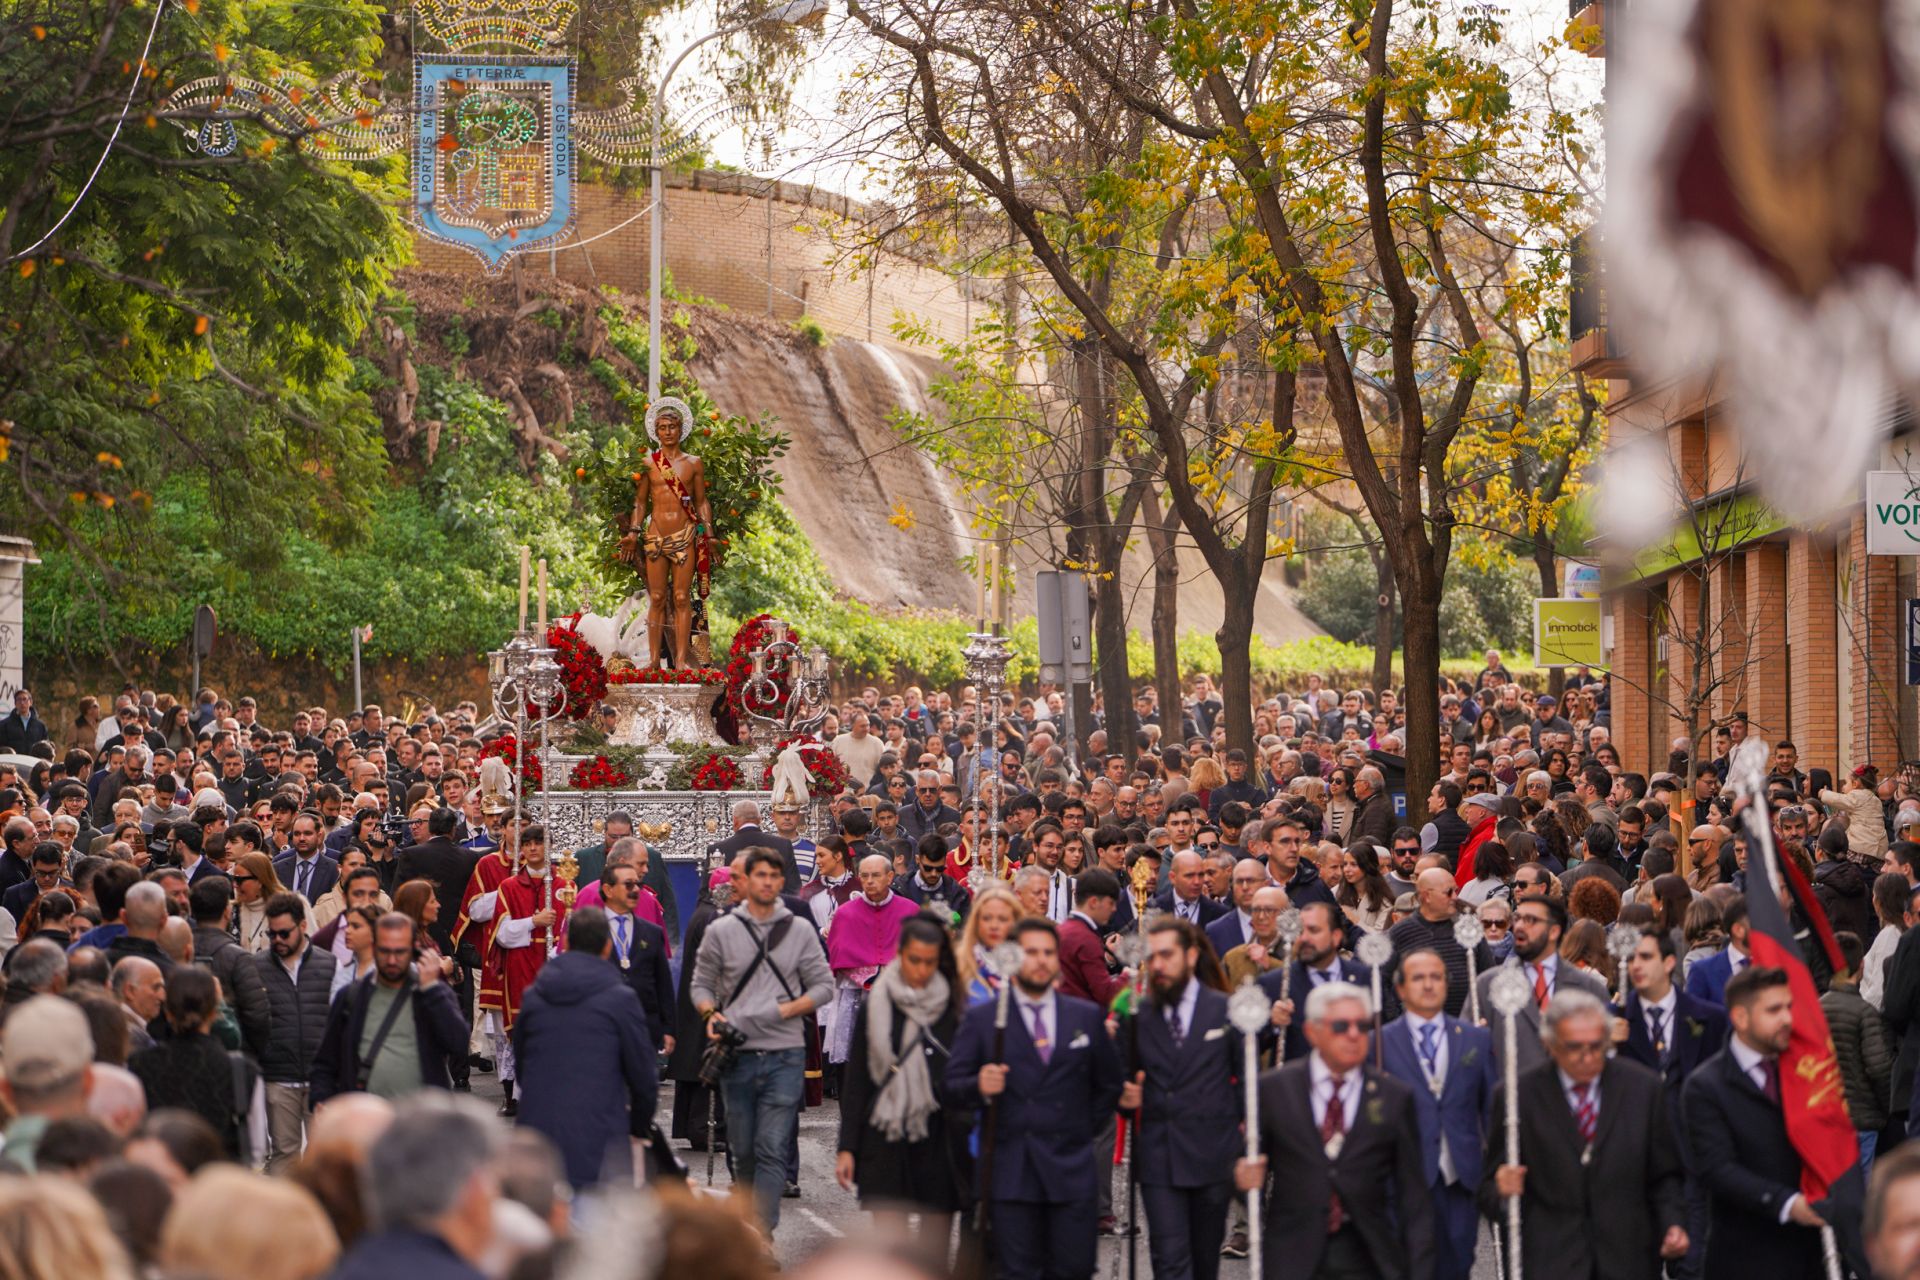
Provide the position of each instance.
(826, 772)
(581, 666)
(507, 748)
(598, 774)
(718, 773)
(668, 675)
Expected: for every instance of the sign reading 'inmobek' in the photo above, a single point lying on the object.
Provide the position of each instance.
(1566, 633)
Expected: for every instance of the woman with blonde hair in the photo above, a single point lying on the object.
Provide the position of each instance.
(1203, 775)
(51, 1229)
(268, 1229)
(989, 923)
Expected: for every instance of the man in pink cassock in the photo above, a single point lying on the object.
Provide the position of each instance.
(863, 937)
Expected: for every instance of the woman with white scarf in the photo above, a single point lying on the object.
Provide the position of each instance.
(896, 1143)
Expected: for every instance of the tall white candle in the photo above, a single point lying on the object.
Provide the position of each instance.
(543, 600)
(524, 563)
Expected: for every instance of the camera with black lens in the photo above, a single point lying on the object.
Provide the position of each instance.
(723, 1047)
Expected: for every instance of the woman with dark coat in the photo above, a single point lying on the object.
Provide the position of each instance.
(904, 1152)
(691, 1098)
(191, 1070)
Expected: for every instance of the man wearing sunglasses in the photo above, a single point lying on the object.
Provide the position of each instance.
(1595, 1137)
(1353, 1198)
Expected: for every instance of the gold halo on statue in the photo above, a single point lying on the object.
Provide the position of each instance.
(668, 404)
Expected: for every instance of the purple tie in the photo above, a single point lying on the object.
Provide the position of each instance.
(1037, 1026)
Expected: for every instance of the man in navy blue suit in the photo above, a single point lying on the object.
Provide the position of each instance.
(306, 868)
(1235, 927)
(1708, 981)
(1449, 1066)
(1316, 962)
(1183, 1059)
(1052, 1087)
(1664, 1028)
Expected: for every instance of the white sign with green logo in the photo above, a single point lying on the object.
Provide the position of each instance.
(1566, 633)
(1893, 513)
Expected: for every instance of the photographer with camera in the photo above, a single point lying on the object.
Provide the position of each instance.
(392, 1032)
(760, 971)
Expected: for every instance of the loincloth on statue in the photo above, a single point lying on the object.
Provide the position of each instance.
(675, 548)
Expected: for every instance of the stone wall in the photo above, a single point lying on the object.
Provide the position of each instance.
(757, 247)
(280, 685)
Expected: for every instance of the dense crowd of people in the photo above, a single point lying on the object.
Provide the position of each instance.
(257, 966)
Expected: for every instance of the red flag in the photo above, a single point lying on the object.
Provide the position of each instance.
(1812, 1098)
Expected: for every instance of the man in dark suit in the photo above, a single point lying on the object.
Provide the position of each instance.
(1668, 1031)
(1183, 1062)
(1234, 928)
(1537, 926)
(45, 862)
(1709, 978)
(640, 950)
(1050, 1090)
(1317, 962)
(1599, 1176)
(1448, 1065)
(1343, 1145)
(305, 868)
(1186, 893)
(439, 860)
(747, 834)
(1762, 1224)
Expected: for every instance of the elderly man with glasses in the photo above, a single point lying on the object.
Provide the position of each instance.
(1355, 1199)
(925, 812)
(1618, 1203)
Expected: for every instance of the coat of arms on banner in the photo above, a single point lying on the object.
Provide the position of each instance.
(493, 152)
(492, 129)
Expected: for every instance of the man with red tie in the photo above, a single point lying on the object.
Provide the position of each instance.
(1601, 1197)
(1537, 926)
(1343, 1144)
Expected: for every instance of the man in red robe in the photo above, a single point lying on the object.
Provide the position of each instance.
(526, 923)
(478, 907)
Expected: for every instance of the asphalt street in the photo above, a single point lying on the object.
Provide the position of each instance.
(824, 1213)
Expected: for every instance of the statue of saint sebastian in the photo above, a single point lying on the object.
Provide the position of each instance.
(667, 535)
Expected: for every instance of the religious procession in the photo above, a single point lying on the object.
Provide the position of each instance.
(1215, 640)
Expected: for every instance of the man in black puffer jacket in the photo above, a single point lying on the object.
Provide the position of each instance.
(299, 980)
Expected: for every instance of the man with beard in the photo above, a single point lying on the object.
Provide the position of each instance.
(1538, 924)
(1060, 1077)
(1186, 1104)
(1431, 926)
(1316, 962)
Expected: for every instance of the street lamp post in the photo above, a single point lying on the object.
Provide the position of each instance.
(794, 13)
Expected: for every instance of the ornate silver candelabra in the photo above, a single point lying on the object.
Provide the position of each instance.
(524, 676)
(806, 675)
(986, 656)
